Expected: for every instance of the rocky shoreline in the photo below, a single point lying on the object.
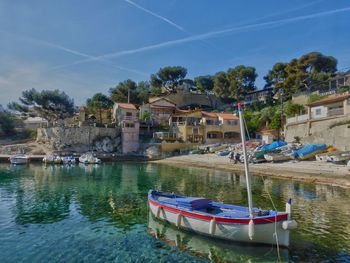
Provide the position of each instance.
(305, 171)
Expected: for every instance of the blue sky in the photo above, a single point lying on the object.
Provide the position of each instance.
(84, 47)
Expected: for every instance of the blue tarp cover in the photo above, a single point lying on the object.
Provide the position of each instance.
(309, 148)
(273, 145)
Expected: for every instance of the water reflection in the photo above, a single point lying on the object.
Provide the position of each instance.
(117, 196)
(214, 249)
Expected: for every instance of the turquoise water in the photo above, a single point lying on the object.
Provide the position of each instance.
(100, 214)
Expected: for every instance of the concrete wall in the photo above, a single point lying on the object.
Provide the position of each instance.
(76, 137)
(130, 138)
(319, 131)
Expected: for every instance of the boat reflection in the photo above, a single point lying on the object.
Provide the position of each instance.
(213, 249)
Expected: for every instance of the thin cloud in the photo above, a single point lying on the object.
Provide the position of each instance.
(215, 34)
(157, 16)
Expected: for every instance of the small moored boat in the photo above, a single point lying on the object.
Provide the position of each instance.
(19, 159)
(89, 158)
(223, 221)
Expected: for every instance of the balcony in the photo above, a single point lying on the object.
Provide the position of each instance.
(299, 118)
(165, 136)
(130, 118)
(194, 138)
(335, 112)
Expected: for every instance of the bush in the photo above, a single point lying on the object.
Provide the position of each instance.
(343, 89)
(315, 97)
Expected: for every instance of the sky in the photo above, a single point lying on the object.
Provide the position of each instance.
(85, 47)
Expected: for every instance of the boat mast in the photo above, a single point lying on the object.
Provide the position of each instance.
(246, 168)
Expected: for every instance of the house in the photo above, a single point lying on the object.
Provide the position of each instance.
(262, 95)
(185, 100)
(321, 115)
(332, 106)
(125, 115)
(198, 126)
(341, 79)
(268, 135)
(35, 122)
(160, 110)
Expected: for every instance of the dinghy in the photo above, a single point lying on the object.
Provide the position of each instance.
(224, 221)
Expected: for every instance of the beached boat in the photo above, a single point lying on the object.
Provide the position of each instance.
(225, 221)
(309, 151)
(278, 157)
(324, 157)
(19, 159)
(89, 158)
(223, 153)
(339, 157)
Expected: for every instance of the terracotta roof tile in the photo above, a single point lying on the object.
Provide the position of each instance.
(209, 114)
(227, 116)
(127, 106)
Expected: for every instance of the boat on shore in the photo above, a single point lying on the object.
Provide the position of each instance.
(19, 159)
(339, 157)
(225, 221)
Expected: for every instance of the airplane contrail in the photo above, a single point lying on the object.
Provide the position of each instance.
(157, 16)
(214, 34)
(74, 52)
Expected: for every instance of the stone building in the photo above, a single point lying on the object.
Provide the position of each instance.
(126, 116)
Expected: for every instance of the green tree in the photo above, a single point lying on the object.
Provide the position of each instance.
(168, 77)
(143, 91)
(49, 104)
(124, 89)
(222, 85)
(343, 89)
(292, 109)
(241, 80)
(6, 124)
(204, 83)
(98, 103)
(310, 72)
(252, 119)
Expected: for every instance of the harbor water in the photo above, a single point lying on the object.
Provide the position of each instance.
(99, 213)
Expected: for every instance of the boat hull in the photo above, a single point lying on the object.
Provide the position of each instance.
(218, 228)
(18, 160)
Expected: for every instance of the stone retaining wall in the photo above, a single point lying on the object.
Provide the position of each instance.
(80, 138)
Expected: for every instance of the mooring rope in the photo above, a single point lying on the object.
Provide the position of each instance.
(274, 234)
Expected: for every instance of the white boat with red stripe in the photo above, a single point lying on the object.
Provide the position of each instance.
(222, 220)
(230, 222)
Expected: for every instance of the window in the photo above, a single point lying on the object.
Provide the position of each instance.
(318, 112)
(195, 131)
(232, 122)
(129, 125)
(128, 113)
